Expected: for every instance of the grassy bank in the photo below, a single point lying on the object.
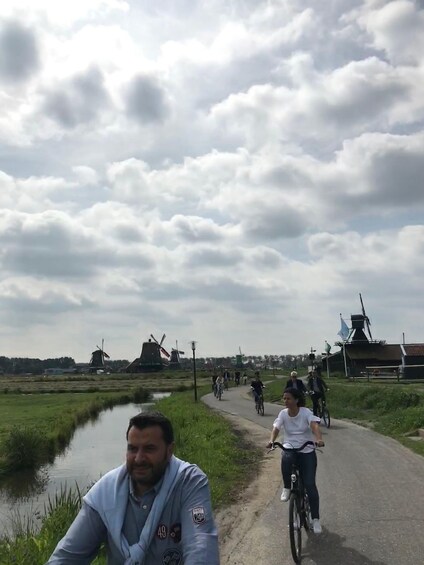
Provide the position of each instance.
(393, 409)
(202, 437)
(34, 428)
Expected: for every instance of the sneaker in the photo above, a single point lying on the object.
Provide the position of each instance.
(285, 495)
(316, 524)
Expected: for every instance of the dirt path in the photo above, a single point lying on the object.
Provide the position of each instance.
(238, 524)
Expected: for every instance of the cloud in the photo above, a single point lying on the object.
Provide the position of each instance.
(19, 52)
(229, 173)
(394, 27)
(78, 100)
(146, 100)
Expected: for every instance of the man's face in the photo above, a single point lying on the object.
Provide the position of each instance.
(147, 456)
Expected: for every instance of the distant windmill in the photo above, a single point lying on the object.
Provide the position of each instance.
(150, 359)
(239, 359)
(97, 361)
(175, 361)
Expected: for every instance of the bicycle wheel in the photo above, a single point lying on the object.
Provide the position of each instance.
(261, 409)
(219, 393)
(295, 528)
(326, 416)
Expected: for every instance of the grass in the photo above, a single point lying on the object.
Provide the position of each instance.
(202, 437)
(34, 428)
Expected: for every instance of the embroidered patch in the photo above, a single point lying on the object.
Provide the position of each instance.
(162, 531)
(198, 514)
(172, 557)
(175, 533)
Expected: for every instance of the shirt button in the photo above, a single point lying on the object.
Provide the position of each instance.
(144, 506)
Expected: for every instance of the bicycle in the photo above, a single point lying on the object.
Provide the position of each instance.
(299, 508)
(259, 404)
(323, 411)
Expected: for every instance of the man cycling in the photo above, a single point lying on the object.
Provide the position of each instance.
(317, 388)
(257, 385)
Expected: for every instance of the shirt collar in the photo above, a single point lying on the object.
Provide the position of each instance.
(154, 490)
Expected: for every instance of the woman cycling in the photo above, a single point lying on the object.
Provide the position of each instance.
(299, 425)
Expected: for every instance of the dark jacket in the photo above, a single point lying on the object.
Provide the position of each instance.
(300, 385)
(320, 382)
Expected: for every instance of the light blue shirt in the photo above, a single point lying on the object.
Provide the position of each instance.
(186, 533)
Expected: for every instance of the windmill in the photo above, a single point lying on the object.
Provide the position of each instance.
(97, 361)
(175, 361)
(359, 321)
(239, 359)
(150, 359)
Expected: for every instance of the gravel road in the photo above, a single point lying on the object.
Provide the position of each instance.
(371, 489)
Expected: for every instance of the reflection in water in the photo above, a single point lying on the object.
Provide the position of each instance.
(24, 485)
(96, 447)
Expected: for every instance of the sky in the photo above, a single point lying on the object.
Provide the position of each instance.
(233, 172)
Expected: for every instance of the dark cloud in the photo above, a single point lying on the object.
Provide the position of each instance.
(146, 101)
(31, 310)
(275, 223)
(19, 54)
(79, 100)
(397, 177)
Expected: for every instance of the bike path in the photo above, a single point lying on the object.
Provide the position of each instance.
(372, 498)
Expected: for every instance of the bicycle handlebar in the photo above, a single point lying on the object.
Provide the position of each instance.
(284, 448)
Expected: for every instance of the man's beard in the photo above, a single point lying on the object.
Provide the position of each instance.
(152, 475)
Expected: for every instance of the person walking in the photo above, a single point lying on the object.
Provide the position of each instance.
(155, 508)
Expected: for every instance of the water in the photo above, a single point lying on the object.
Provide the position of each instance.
(96, 447)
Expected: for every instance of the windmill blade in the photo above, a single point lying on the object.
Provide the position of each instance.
(362, 304)
(163, 337)
(164, 351)
(367, 320)
(181, 352)
(154, 339)
(106, 355)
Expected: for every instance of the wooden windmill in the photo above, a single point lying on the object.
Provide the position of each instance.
(175, 361)
(239, 359)
(97, 361)
(359, 321)
(151, 359)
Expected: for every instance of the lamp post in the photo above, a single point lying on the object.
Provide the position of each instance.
(312, 358)
(193, 347)
(327, 351)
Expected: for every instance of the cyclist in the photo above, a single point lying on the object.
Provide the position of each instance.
(299, 425)
(317, 388)
(226, 378)
(219, 384)
(294, 382)
(214, 377)
(257, 385)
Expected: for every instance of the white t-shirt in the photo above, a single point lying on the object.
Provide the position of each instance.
(297, 429)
